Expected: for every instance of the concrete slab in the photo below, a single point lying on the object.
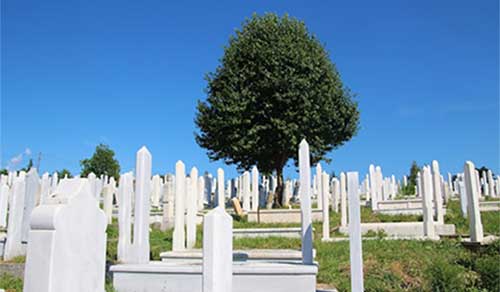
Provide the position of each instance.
(187, 277)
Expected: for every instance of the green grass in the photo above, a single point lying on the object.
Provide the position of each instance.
(389, 265)
(490, 220)
(10, 283)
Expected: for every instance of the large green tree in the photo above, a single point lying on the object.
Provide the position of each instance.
(102, 162)
(274, 86)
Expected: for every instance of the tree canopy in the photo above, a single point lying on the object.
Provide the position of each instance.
(274, 86)
(102, 162)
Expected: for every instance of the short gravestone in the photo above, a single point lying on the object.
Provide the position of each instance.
(67, 248)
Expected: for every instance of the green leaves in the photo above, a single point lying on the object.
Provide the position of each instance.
(102, 162)
(274, 86)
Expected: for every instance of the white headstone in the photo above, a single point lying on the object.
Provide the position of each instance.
(168, 203)
(319, 185)
(143, 169)
(13, 245)
(438, 196)
(426, 182)
(305, 202)
(373, 187)
(125, 194)
(191, 194)
(217, 251)
(67, 248)
(180, 185)
(325, 179)
(220, 188)
(255, 189)
(355, 250)
(475, 225)
(343, 200)
(4, 203)
(246, 191)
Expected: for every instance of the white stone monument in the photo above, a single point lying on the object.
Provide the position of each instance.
(67, 248)
(355, 250)
(305, 203)
(180, 185)
(217, 251)
(143, 168)
(475, 225)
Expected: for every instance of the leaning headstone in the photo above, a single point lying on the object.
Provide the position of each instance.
(305, 202)
(13, 245)
(355, 250)
(178, 241)
(237, 206)
(67, 248)
(475, 225)
(426, 182)
(143, 168)
(218, 251)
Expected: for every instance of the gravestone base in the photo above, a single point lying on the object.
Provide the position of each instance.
(403, 229)
(282, 216)
(187, 277)
(261, 255)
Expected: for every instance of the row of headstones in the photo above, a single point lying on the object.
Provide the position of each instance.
(217, 241)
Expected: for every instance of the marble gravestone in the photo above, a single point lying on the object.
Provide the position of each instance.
(67, 248)
(217, 251)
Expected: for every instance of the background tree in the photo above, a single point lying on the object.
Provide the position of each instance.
(484, 169)
(63, 173)
(409, 189)
(29, 166)
(102, 162)
(275, 85)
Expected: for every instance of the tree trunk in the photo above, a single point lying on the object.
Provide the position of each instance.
(278, 193)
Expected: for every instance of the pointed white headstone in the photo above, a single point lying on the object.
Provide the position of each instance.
(426, 182)
(343, 200)
(355, 249)
(220, 188)
(218, 251)
(305, 202)
(438, 196)
(143, 168)
(180, 185)
(255, 188)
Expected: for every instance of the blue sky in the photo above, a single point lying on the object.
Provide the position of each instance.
(129, 73)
